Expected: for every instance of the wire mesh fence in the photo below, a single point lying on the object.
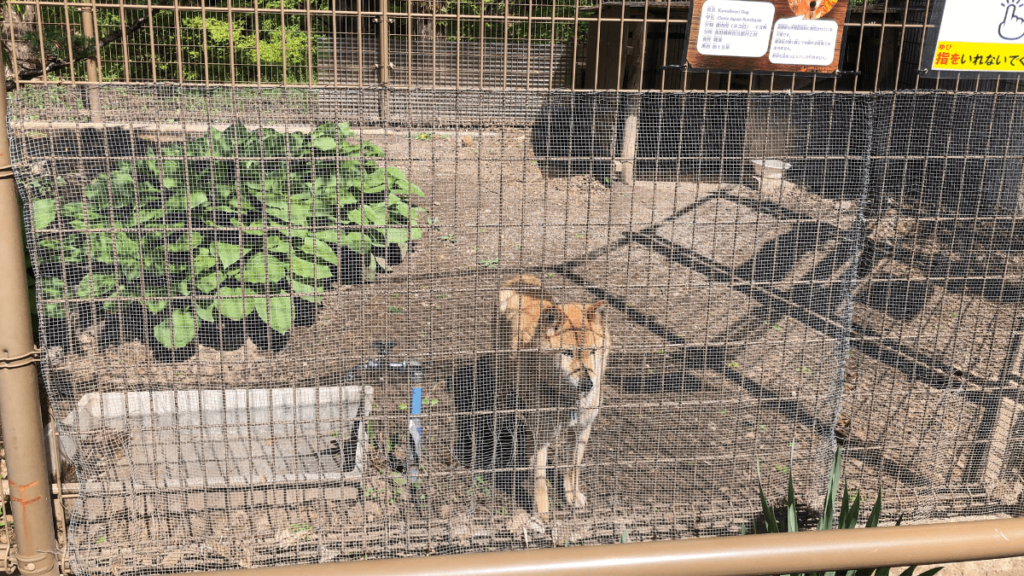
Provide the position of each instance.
(278, 326)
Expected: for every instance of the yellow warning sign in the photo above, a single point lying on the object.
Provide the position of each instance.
(979, 56)
(978, 36)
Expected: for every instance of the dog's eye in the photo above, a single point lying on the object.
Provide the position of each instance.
(567, 353)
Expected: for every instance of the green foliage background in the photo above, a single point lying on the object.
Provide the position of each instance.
(271, 48)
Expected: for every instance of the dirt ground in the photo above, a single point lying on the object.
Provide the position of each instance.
(728, 319)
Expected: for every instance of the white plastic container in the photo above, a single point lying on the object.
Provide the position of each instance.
(177, 439)
(770, 169)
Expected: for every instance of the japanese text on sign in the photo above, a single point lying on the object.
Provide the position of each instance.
(800, 41)
(980, 36)
(735, 28)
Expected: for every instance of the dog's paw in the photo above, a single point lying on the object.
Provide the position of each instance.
(576, 499)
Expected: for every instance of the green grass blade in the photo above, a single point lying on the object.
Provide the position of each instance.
(876, 510)
(844, 507)
(882, 572)
(831, 491)
(909, 571)
(854, 513)
(931, 571)
(791, 524)
(769, 514)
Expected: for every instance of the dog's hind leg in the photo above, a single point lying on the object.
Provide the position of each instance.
(540, 481)
(573, 495)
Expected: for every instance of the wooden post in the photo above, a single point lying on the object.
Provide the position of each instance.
(634, 70)
(92, 70)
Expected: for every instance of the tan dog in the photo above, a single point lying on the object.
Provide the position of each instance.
(551, 360)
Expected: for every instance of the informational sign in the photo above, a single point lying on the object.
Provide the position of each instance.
(766, 35)
(977, 37)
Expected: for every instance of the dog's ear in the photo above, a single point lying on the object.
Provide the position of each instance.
(597, 312)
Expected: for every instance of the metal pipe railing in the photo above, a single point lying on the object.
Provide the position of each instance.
(727, 556)
(20, 415)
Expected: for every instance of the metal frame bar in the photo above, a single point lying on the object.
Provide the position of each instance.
(736, 556)
(22, 422)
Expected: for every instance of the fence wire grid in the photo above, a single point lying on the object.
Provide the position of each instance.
(251, 301)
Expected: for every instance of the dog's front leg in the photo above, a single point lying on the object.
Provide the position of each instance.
(540, 481)
(573, 495)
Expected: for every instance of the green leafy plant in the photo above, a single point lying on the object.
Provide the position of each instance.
(849, 513)
(229, 224)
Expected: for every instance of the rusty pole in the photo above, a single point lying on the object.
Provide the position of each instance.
(20, 415)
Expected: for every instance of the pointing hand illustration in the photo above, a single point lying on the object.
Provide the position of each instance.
(1012, 26)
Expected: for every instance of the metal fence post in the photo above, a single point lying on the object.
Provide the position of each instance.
(20, 415)
(384, 61)
(92, 70)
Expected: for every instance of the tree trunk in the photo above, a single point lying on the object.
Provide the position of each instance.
(23, 50)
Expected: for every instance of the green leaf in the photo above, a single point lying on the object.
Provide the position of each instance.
(147, 216)
(766, 510)
(830, 493)
(156, 306)
(791, 523)
(44, 212)
(876, 511)
(276, 311)
(406, 187)
(203, 260)
(298, 144)
(230, 304)
(96, 285)
(278, 244)
(260, 269)
(296, 214)
(374, 183)
(229, 253)
(208, 283)
(325, 144)
(307, 292)
(186, 242)
(206, 311)
(319, 249)
(187, 200)
(368, 215)
(308, 269)
(177, 330)
(396, 174)
(401, 235)
(51, 288)
(53, 310)
(931, 571)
